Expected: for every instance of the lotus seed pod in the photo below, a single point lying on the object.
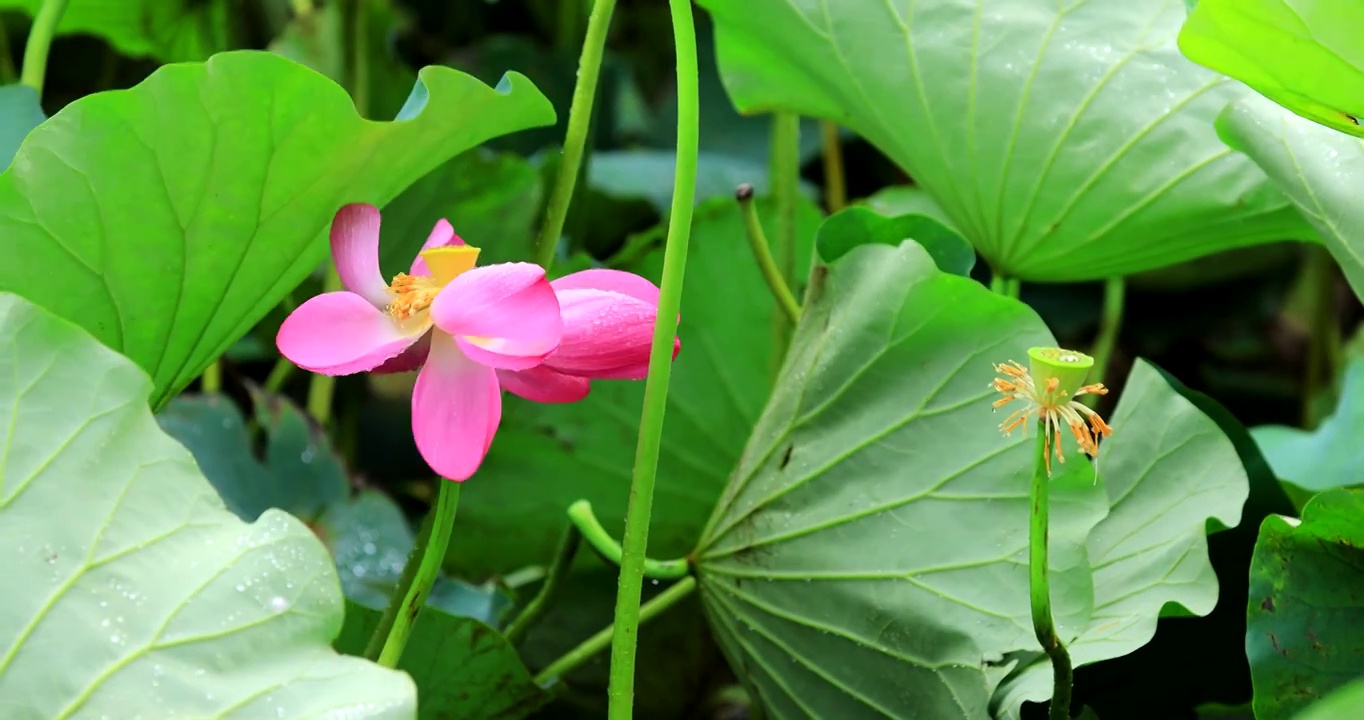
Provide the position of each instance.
(1070, 368)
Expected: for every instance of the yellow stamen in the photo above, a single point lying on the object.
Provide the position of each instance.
(412, 294)
(449, 262)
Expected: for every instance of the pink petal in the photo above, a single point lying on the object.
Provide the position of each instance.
(504, 316)
(409, 360)
(607, 335)
(456, 407)
(341, 333)
(542, 385)
(441, 235)
(618, 281)
(355, 250)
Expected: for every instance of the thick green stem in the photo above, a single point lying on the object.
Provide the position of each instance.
(407, 602)
(409, 573)
(554, 579)
(575, 139)
(785, 171)
(39, 41)
(835, 185)
(757, 240)
(1039, 585)
(586, 522)
(574, 658)
(212, 380)
(621, 689)
(1110, 324)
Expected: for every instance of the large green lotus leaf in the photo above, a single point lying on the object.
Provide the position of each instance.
(1303, 632)
(1315, 166)
(869, 557)
(1325, 458)
(547, 456)
(1066, 141)
(1168, 468)
(491, 199)
(1341, 703)
(168, 30)
(869, 554)
(19, 114)
(1303, 54)
(175, 214)
(131, 589)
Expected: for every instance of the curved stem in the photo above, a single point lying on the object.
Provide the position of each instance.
(409, 573)
(621, 689)
(554, 579)
(586, 523)
(572, 659)
(1039, 586)
(1110, 323)
(408, 601)
(279, 374)
(575, 139)
(785, 172)
(757, 240)
(835, 185)
(39, 41)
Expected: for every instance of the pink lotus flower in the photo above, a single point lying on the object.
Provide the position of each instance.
(471, 330)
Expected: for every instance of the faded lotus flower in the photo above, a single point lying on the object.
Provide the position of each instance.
(1053, 403)
(471, 330)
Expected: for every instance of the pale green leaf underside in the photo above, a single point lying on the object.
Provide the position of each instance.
(869, 556)
(1326, 457)
(1320, 169)
(169, 218)
(1303, 54)
(1067, 141)
(132, 591)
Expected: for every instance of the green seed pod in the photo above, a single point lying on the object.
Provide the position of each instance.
(1070, 368)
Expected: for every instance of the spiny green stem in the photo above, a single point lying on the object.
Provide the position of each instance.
(757, 240)
(625, 632)
(554, 579)
(39, 41)
(405, 579)
(574, 658)
(1110, 324)
(1039, 585)
(575, 139)
(428, 559)
(835, 185)
(586, 522)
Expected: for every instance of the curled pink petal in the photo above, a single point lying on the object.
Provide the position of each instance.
(456, 407)
(542, 385)
(355, 250)
(607, 335)
(408, 360)
(340, 333)
(618, 281)
(504, 316)
(441, 235)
